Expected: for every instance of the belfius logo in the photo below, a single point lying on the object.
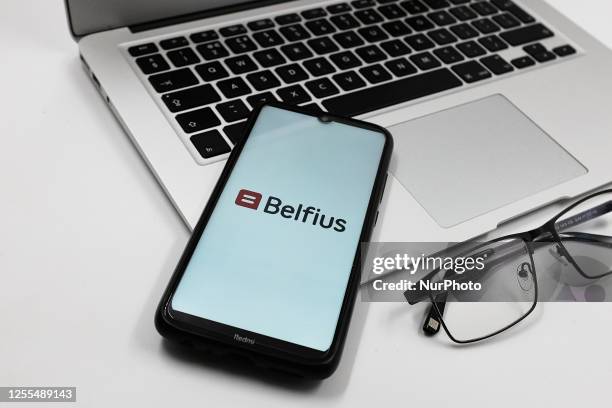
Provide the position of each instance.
(300, 213)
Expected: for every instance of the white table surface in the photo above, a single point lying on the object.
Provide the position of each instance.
(88, 241)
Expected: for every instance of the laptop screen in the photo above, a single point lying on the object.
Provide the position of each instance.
(90, 16)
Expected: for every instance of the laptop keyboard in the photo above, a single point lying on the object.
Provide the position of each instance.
(347, 58)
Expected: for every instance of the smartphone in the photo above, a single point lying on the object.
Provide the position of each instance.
(272, 268)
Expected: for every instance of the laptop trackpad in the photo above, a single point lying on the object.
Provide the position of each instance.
(468, 160)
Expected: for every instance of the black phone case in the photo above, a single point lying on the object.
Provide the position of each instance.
(278, 359)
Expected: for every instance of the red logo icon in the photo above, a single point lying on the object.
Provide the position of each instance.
(248, 199)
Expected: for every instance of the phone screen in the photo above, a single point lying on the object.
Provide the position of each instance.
(277, 251)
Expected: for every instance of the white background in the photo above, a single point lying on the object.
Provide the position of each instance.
(88, 241)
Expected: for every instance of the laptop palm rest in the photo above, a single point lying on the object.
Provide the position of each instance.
(468, 160)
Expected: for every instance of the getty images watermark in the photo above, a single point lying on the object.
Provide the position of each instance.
(475, 272)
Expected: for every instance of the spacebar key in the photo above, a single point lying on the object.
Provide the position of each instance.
(392, 93)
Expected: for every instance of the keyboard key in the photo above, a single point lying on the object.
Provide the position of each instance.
(425, 61)
(463, 13)
(291, 73)
(523, 62)
(493, 43)
(323, 45)
(359, 4)
(263, 80)
(437, 4)
(396, 28)
(322, 88)
(508, 5)
(349, 80)
(442, 36)
(210, 144)
(196, 120)
(294, 32)
(368, 16)
(152, 63)
(175, 42)
(288, 19)
(392, 93)
(539, 52)
(524, 35)
(564, 50)
(464, 31)
(313, 13)
(204, 36)
(485, 26)
(471, 71)
(233, 87)
(241, 64)
(449, 55)
(312, 107)
(235, 29)
(391, 11)
(338, 8)
(296, 51)
(235, 132)
(262, 24)
(420, 23)
(506, 20)
(484, 8)
(375, 73)
(293, 95)
(212, 50)
(269, 58)
(419, 42)
(471, 49)
(211, 71)
(344, 21)
(442, 18)
(345, 60)
(395, 48)
(497, 64)
(400, 67)
(373, 34)
(142, 49)
(348, 39)
(319, 66)
(320, 27)
(414, 6)
(169, 81)
(182, 57)
(191, 98)
(240, 44)
(268, 38)
(371, 53)
(259, 99)
(233, 110)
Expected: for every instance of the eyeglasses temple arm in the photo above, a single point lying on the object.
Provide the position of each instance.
(584, 216)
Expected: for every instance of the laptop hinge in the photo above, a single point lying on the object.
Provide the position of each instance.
(247, 5)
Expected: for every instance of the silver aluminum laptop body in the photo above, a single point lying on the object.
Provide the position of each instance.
(544, 134)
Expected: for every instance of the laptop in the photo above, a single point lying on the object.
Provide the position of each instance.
(496, 107)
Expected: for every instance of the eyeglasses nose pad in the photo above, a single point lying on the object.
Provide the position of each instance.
(431, 326)
(557, 252)
(524, 276)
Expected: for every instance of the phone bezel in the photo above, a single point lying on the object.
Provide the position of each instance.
(221, 334)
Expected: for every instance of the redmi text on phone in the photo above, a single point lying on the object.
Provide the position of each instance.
(305, 214)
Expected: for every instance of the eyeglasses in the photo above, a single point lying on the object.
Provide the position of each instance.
(580, 237)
